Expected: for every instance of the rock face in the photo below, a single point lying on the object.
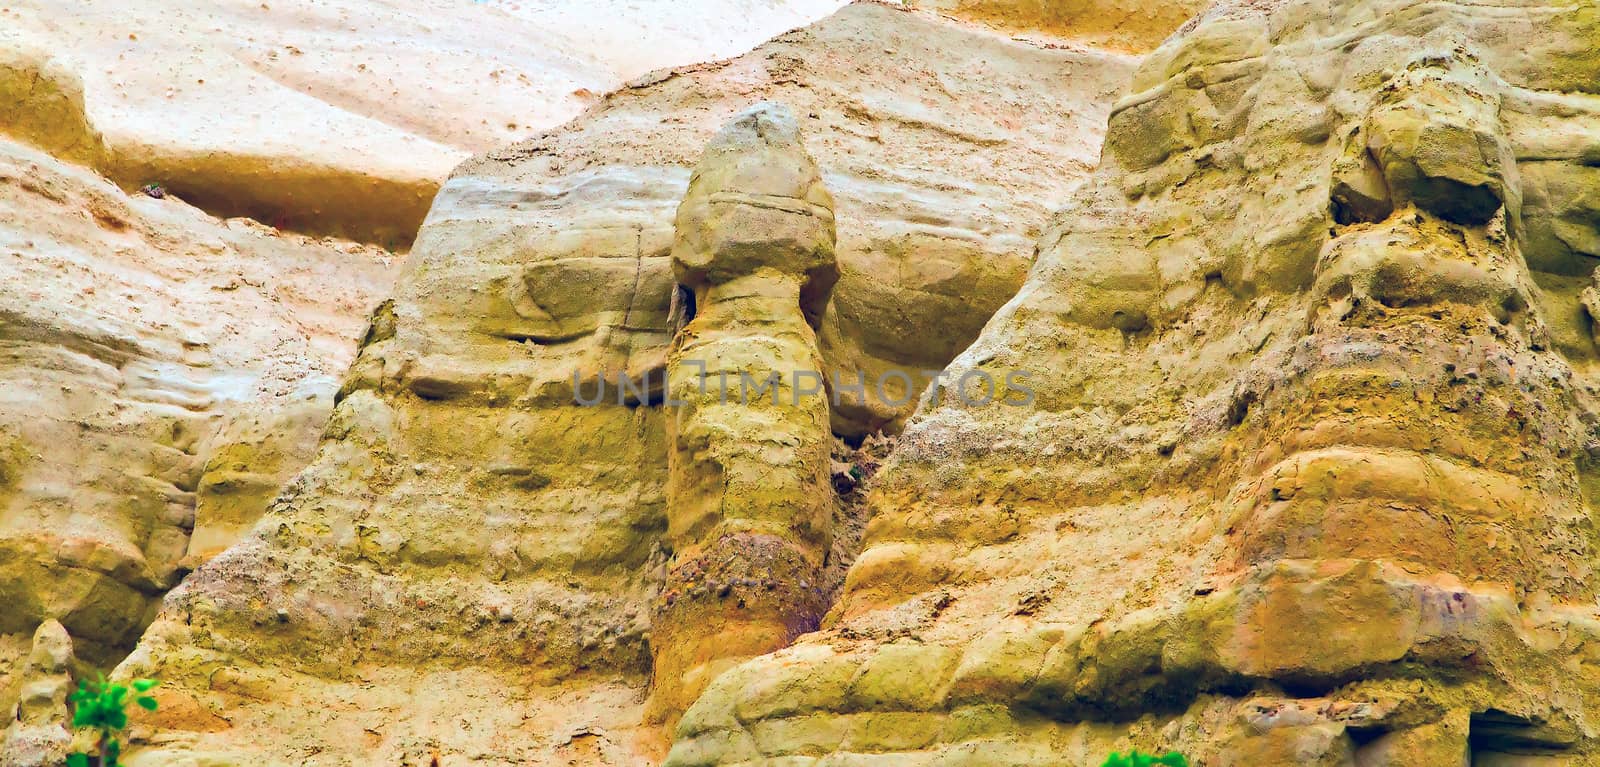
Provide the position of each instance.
(946, 155)
(131, 330)
(37, 732)
(1303, 472)
(750, 500)
(164, 373)
(334, 117)
(1131, 25)
(1309, 474)
(472, 565)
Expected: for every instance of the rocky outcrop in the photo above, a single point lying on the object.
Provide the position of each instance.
(1302, 473)
(131, 330)
(164, 372)
(335, 118)
(1308, 476)
(37, 732)
(946, 156)
(750, 500)
(471, 565)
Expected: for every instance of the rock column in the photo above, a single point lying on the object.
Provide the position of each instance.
(749, 502)
(37, 733)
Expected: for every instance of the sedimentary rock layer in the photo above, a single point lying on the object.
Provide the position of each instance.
(945, 147)
(334, 117)
(1309, 474)
(750, 504)
(1130, 25)
(162, 373)
(470, 565)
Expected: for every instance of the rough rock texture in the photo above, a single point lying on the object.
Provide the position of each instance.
(946, 148)
(1130, 25)
(750, 501)
(37, 731)
(334, 116)
(131, 330)
(164, 373)
(1309, 477)
(469, 566)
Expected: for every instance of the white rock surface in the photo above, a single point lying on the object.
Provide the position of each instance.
(299, 112)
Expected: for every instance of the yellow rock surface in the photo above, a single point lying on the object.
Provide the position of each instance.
(1130, 25)
(469, 539)
(750, 504)
(137, 337)
(1303, 472)
(1309, 474)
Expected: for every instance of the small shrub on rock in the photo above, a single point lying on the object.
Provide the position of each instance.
(1140, 759)
(102, 707)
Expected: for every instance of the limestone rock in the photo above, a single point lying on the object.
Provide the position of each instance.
(756, 202)
(1129, 25)
(136, 334)
(945, 146)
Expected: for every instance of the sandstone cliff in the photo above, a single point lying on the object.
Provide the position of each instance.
(472, 565)
(166, 372)
(163, 373)
(1303, 474)
(1309, 478)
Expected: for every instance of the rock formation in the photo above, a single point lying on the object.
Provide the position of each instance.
(1309, 474)
(944, 115)
(471, 565)
(166, 372)
(333, 117)
(133, 328)
(37, 731)
(750, 502)
(1304, 473)
(1130, 25)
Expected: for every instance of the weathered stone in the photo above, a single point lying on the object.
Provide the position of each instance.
(1443, 743)
(749, 498)
(1305, 479)
(1304, 474)
(37, 733)
(473, 468)
(348, 130)
(139, 336)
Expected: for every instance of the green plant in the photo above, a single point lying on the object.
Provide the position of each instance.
(1140, 759)
(102, 706)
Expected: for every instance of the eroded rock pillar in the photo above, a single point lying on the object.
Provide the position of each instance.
(37, 733)
(749, 502)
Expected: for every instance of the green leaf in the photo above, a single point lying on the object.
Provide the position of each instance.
(1138, 758)
(146, 702)
(77, 760)
(144, 685)
(90, 713)
(113, 750)
(116, 719)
